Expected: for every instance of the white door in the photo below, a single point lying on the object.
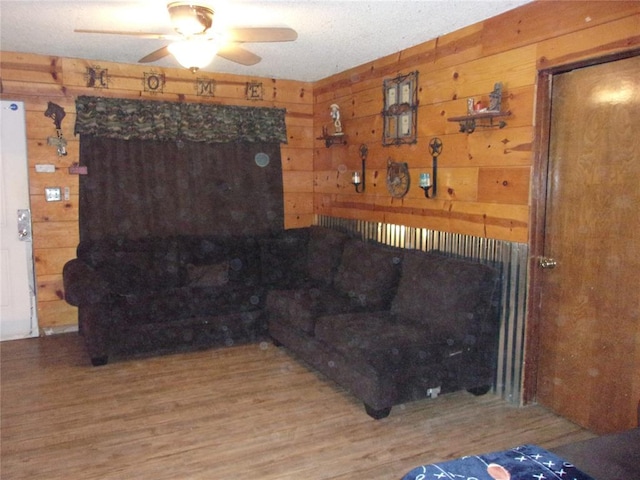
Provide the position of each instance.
(18, 314)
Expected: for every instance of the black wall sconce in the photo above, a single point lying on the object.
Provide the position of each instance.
(428, 182)
(357, 178)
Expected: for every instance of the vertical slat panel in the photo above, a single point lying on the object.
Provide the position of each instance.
(509, 257)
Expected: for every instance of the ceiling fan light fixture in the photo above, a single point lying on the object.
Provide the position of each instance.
(189, 19)
(193, 54)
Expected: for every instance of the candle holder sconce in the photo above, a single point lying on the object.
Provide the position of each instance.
(357, 178)
(427, 182)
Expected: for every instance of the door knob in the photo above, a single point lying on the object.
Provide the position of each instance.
(546, 262)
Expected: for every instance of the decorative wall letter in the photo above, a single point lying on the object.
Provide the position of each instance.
(153, 82)
(254, 91)
(205, 87)
(97, 77)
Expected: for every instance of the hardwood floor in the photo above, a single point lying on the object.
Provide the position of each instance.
(249, 411)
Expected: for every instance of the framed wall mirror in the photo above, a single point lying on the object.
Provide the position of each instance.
(400, 109)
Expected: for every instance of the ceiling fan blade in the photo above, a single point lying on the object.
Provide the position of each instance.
(237, 54)
(262, 34)
(156, 55)
(130, 34)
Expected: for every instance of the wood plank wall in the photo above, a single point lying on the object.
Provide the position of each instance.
(37, 79)
(484, 178)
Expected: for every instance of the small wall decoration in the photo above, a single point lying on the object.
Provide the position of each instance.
(77, 169)
(337, 137)
(57, 114)
(154, 82)
(400, 113)
(205, 87)
(397, 178)
(337, 123)
(97, 77)
(254, 91)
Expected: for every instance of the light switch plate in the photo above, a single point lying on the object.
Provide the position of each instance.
(45, 168)
(53, 194)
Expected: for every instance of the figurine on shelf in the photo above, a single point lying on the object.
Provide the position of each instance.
(495, 98)
(335, 114)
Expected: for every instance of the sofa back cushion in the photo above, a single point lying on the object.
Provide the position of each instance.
(369, 273)
(157, 263)
(324, 253)
(450, 296)
(240, 253)
(133, 265)
(283, 258)
(214, 275)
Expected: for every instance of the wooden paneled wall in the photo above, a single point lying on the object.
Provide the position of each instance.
(484, 178)
(37, 79)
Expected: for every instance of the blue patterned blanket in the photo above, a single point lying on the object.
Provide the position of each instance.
(524, 462)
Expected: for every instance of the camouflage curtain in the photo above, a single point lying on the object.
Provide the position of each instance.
(172, 121)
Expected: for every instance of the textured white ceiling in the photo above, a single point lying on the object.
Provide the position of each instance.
(333, 35)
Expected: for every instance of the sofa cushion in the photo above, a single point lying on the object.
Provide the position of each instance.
(124, 277)
(450, 295)
(241, 253)
(284, 259)
(133, 265)
(324, 253)
(369, 332)
(369, 273)
(300, 307)
(403, 353)
(228, 299)
(214, 275)
(293, 307)
(181, 303)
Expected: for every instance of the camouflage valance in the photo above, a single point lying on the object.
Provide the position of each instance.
(170, 121)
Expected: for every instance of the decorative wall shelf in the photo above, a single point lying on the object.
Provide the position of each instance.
(330, 140)
(469, 122)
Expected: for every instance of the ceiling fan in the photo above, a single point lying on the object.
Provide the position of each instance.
(195, 43)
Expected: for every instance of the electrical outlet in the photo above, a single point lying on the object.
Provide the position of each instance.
(53, 194)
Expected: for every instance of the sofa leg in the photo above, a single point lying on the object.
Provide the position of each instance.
(377, 413)
(477, 391)
(276, 342)
(99, 361)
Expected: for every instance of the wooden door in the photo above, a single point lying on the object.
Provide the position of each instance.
(589, 324)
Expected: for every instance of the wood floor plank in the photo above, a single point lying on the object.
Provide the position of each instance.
(248, 411)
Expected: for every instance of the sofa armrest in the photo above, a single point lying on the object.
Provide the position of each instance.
(82, 284)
